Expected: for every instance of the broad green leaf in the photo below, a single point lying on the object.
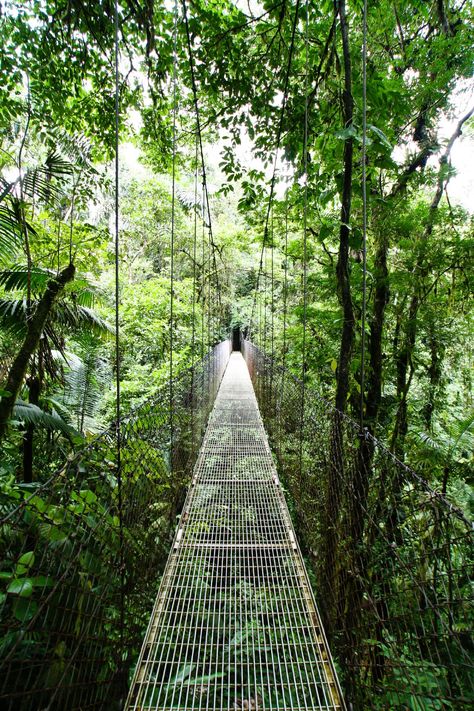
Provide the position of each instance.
(24, 609)
(21, 587)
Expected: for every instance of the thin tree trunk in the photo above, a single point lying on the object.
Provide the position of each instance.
(28, 437)
(35, 327)
(336, 471)
(342, 268)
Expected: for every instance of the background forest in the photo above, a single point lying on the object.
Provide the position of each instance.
(241, 200)
(251, 70)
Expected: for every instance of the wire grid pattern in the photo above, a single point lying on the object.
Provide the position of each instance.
(75, 595)
(235, 625)
(393, 558)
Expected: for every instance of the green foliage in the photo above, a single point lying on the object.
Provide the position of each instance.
(57, 133)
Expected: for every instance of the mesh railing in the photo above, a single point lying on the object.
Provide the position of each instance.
(81, 556)
(234, 624)
(392, 557)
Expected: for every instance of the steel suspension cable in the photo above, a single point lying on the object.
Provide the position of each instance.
(198, 123)
(364, 210)
(285, 284)
(193, 333)
(172, 235)
(118, 414)
(265, 301)
(279, 134)
(305, 222)
(272, 268)
(285, 306)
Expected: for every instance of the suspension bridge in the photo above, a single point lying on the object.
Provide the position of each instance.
(377, 615)
(236, 622)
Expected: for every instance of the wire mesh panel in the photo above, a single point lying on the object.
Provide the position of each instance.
(393, 558)
(80, 554)
(235, 625)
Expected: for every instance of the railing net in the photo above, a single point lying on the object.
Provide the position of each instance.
(78, 574)
(392, 558)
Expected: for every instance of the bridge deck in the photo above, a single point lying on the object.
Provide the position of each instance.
(235, 625)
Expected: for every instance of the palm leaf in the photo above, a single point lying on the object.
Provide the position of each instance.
(30, 414)
(40, 182)
(16, 278)
(12, 316)
(77, 149)
(10, 232)
(75, 316)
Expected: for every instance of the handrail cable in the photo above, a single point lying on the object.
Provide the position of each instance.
(364, 210)
(279, 135)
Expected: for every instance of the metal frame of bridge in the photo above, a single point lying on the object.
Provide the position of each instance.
(235, 624)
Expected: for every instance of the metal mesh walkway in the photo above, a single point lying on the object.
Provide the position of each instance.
(235, 625)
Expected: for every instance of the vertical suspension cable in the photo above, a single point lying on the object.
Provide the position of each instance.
(265, 299)
(118, 429)
(209, 290)
(285, 306)
(193, 333)
(285, 285)
(305, 221)
(364, 210)
(173, 208)
(198, 123)
(279, 135)
(272, 305)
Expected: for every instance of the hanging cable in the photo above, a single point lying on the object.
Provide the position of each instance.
(203, 280)
(305, 222)
(279, 134)
(198, 122)
(364, 210)
(272, 274)
(193, 333)
(265, 301)
(173, 208)
(285, 285)
(118, 429)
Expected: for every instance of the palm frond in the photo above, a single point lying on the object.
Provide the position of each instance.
(13, 316)
(10, 231)
(463, 431)
(77, 149)
(16, 278)
(186, 198)
(75, 316)
(82, 291)
(40, 182)
(30, 414)
(85, 382)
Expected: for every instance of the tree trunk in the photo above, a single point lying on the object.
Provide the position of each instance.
(335, 490)
(33, 399)
(381, 297)
(35, 328)
(434, 374)
(342, 268)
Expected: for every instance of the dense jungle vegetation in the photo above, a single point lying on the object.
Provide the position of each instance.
(258, 72)
(57, 121)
